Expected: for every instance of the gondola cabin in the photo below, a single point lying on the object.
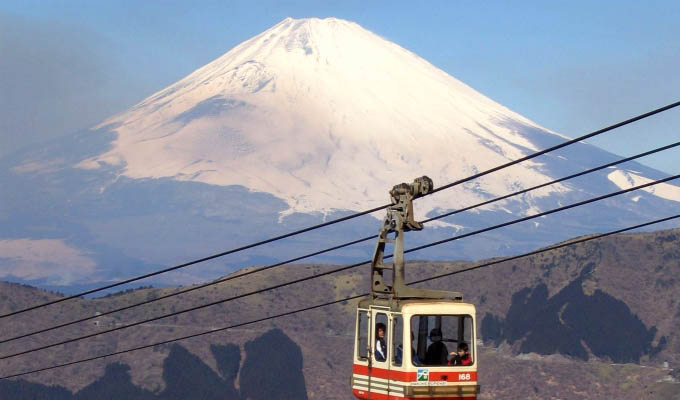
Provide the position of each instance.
(411, 343)
(420, 337)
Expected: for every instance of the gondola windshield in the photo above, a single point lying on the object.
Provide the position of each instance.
(437, 339)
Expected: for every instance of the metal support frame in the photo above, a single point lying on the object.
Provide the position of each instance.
(400, 219)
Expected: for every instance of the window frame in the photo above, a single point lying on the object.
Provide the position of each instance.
(366, 331)
(395, 317)
(471, 342)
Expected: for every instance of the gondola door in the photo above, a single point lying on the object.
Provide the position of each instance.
(360, 372)
(379, 365)
(374, 352)
(399, 355)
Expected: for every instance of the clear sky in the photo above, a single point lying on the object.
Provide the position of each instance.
(572, 66)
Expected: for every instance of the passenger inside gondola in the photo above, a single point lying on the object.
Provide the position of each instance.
(461, 356)
(400, 351)
(437, 353)
(380, 344)
(433, 333)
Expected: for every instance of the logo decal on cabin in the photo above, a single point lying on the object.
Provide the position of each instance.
(423, 375)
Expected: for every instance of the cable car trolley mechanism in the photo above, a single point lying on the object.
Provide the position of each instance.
(411, 343)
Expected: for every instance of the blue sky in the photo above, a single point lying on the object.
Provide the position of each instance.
(572, 66)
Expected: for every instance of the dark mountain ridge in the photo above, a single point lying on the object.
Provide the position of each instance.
(611, 300)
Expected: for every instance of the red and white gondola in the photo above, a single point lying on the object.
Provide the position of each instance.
(411, 343)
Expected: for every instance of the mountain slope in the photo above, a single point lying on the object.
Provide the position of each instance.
(307, 121)
(312, 108)
(638, 272)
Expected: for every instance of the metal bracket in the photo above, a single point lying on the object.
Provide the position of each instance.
(400, 219)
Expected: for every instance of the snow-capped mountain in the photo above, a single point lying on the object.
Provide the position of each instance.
(313, 108)
(310, 118)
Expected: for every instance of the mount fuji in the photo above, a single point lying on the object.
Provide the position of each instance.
(309, 120)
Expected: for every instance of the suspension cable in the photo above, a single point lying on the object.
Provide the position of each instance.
(487, 264)
(260, 269)
(333, 271)
(559, 146)
(345, 218)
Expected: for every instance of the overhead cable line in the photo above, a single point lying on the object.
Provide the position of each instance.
(542, 185)
(345, 218)
(487, 264)
(197, 261)
(336, 270)
(256, 270)
(559, 146)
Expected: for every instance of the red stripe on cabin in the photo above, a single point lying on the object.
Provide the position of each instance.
(452, 375)
(385, 373)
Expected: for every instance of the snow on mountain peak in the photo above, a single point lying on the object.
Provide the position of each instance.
(325, 115)
(625, 179)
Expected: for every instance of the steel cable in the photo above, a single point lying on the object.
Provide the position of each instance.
(256, 270)
(488, 264)
(348, 217)
(336, 270)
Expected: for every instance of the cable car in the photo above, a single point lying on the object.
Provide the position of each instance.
(411, 343)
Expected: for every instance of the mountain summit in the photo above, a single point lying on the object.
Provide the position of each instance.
(310, 118)
(325, 115)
